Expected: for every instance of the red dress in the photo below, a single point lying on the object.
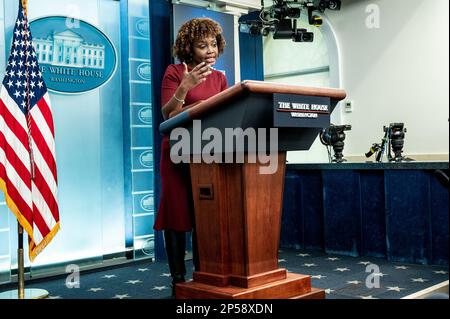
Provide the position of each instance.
(176, 209)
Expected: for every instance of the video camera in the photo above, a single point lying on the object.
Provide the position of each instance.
(283, 9)
(334, 136)
(287, 29)
(396, 133)
(394, 138)
(254, 28)
(281, 19)
(321, 5)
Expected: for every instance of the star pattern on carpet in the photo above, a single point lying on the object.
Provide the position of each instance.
(367, 297)
(333, 258)
(401, 267)
(398, 289)
(339, 277)
(419, 279)
(342, 269)
(95, 289)
(160, 288)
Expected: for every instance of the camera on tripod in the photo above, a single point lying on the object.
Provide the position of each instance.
(394, 140)
(396, 134)
(334, 136)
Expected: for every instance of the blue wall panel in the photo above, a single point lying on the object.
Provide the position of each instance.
(128, 185)
(311, 206)
(373, 220)
(292, 221)
(342, 209)
(140, 48)
(439, 221)
(396, 211)
(160, 19)
(139, 108)
(251, 52)
(408, 215)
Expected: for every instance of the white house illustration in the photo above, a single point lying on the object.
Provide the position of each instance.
(69, 49)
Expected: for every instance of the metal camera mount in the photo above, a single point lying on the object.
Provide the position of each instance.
(334, 136)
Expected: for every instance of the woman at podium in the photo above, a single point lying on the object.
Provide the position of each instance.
(198, 45)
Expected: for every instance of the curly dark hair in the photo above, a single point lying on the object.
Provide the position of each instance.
(196, 29)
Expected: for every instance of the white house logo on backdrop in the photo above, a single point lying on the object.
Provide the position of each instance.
(142, 27)
(148, 246)
(144, 71)
(147, 203)
(145, 115)
(78, 53)
(146, 159)
(75, 58)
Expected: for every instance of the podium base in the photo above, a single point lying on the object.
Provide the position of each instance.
(295, 286)
(28, 294)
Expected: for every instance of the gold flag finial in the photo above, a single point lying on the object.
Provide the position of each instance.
(24, 5)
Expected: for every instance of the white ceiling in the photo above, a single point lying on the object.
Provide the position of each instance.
(247, 4)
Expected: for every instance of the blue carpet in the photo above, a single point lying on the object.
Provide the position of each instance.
(342, 278)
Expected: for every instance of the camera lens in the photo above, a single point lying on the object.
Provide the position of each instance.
(308, 37)
(334, 5)
(302, 36)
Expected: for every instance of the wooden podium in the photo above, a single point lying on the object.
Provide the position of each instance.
(238, 209)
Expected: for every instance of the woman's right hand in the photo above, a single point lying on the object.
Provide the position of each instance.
(196, 76)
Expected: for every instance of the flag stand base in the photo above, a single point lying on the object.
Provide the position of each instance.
(21, 292)
(28, 294)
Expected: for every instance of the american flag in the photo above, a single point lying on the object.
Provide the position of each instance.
(27, 145)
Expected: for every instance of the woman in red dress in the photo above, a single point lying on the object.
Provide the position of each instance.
(198, 45)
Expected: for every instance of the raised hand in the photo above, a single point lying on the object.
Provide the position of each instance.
(196, 76)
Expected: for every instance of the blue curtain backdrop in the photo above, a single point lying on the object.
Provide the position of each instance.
(161, 19)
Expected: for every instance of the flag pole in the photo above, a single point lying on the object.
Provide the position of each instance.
(20, 258)
(20, 263)
(21, 292)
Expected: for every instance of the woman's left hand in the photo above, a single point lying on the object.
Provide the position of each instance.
(196, 76)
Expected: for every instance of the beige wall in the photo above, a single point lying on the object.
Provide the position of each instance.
(396, 73)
